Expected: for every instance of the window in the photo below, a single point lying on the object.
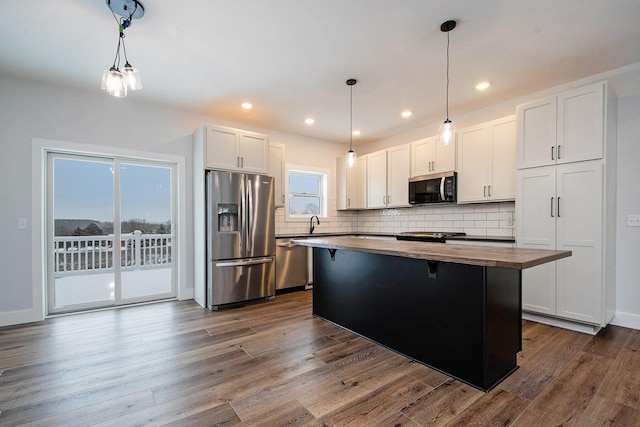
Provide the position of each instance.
(307, 193)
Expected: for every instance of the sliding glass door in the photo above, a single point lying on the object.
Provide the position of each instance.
(110, 232)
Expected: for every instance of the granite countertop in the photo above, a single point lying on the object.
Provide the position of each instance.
(514, 258)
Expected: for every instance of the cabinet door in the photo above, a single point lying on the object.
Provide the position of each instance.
(474, 164)
(221, 148)
(422, 156)
(361, 184)
(580, 124)
(276, 170)
(579, 229)
(253, 152)
(377, 179)
(503, 154)
(398, 176)
(346, 184)
(444, 155)
(536, 229)
(536, 133)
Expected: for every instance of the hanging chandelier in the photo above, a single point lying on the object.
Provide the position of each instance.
(351, 155)
(114, 81)
(448, 128)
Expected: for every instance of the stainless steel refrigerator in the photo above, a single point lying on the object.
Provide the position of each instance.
(241, 241)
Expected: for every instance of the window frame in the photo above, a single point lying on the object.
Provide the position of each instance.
(323, 174)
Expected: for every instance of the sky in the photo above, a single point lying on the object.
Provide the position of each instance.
(85, 190)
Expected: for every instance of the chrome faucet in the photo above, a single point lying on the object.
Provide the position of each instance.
(311, 226)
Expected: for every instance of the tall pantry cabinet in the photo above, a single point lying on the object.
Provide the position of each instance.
(565, 199)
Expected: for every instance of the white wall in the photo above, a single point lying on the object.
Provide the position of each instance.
(628, 192)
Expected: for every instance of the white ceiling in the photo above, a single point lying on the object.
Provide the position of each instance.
(291, 58)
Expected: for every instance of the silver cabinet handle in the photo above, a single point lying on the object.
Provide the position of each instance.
(552, 207)
(388, 200)
(433, 165)
(283, 198)
(348, 202)
(489, 192)
(485, 191)
(552, 153)
(241, 162)
(559, 151)
(237, 162)
(558, 205)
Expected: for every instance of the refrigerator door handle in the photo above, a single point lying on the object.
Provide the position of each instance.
(244, 262)
(249, 215)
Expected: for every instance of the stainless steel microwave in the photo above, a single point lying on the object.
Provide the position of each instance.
(436, 188)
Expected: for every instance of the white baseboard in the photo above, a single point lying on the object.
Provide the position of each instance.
(627, 320)
(17, 317)
(561, 323)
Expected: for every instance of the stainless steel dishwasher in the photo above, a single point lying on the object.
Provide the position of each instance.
(291, 264)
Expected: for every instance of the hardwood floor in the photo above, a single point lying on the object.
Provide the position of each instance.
(273, 363)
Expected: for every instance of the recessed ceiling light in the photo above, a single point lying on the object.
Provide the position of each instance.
(247, 105)
(356, 132)
(309, 121)
(483, 85)
(406, 113)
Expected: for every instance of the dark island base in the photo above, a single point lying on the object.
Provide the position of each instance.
(462, 320)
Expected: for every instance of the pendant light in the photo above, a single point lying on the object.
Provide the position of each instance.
(351, 155)
(114, 81)
(448, 128)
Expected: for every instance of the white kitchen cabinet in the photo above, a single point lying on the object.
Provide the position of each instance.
(562, 208)
(388, 178)
(486, 161)
(351, 184)
(429, 155)
(276, 170)
(566, 199)
(562, 129)
(235, 149)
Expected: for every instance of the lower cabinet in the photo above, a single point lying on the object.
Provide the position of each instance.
(561, 207)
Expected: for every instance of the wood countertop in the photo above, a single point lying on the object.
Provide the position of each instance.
(486, 256)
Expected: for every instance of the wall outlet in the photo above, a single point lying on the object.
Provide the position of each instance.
(633, 220)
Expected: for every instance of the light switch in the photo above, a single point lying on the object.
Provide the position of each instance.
(22, 223)
(633, 220)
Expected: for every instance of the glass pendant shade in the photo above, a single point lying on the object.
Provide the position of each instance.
(351, 158)
(447, 130)
(114, 82)
(133, 77)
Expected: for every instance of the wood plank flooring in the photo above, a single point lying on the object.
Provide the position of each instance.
(275, 364)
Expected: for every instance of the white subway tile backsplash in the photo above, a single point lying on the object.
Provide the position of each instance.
(482, 219)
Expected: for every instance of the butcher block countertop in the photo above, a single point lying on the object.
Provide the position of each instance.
(514, 258)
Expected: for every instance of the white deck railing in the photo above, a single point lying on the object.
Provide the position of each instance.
(94, 253)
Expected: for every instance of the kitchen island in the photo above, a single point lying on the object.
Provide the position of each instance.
(454, 308)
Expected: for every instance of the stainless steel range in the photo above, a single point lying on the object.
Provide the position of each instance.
(428, 236)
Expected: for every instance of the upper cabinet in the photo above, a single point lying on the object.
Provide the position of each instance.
(235, 149)
(388, 177)
(429, 156)
(560, 129)
(486, 161)
(351, 188)
(276, 170)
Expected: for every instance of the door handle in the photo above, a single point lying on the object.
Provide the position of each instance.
(558, 205)
(243, 263)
